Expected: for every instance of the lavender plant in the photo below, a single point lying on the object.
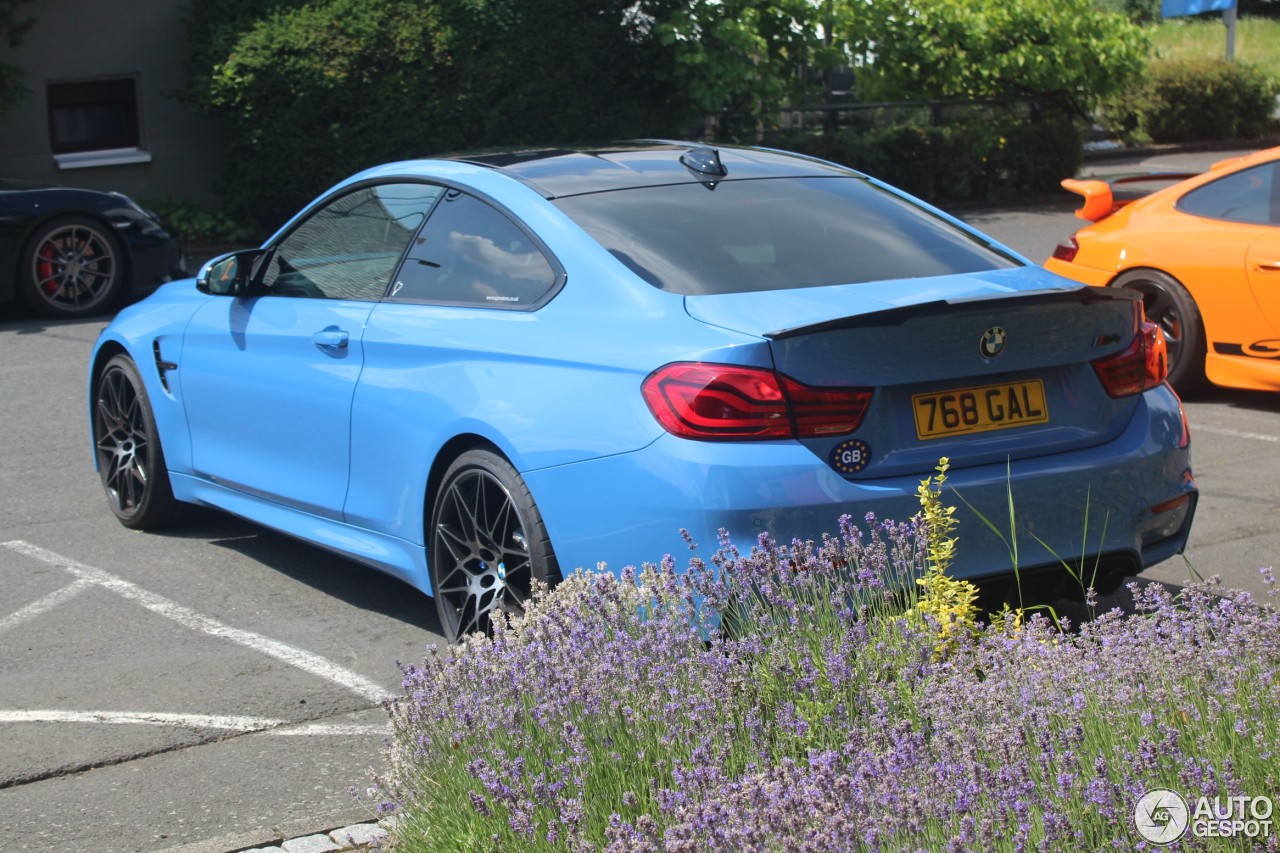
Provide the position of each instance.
(796, 697)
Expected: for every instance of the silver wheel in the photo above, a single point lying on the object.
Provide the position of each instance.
(73, 266)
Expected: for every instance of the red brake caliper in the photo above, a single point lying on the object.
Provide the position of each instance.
(44, 269)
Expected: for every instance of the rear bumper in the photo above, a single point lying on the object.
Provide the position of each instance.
(156, 258)
(1132, 497)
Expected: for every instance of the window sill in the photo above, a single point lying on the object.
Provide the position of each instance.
(106, 157)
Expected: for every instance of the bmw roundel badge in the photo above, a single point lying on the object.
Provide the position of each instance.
(992, 342)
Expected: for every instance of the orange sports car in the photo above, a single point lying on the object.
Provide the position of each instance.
(1205, 255)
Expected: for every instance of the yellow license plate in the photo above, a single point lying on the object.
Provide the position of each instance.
(965, 410)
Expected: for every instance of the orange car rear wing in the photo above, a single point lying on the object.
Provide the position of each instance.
(1100, 197)
(1098, 202)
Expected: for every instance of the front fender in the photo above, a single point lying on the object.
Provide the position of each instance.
(150, 333)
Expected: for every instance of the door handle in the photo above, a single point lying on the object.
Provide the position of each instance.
(330, 339)
(1273, 266)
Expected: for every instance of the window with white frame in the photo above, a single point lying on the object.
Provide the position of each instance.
(95, 122)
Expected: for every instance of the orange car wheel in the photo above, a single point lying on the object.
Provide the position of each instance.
(1169, 305)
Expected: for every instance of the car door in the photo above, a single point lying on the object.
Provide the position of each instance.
(1232, 249)
(1263, 264)
(267, 378)
(1263, 259)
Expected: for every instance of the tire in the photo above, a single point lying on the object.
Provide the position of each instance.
(127, 447)
(1170, 306)
(487, 544)
(72, 267)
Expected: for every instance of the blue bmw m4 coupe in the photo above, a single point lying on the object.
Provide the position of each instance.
(480, 371)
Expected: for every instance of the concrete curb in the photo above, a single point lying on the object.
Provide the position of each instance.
(297, 837)
(358, 837)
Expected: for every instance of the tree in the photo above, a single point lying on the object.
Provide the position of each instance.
(12, 29)
(312, 93)
(316, 90)
(745, 57)
(539, 71)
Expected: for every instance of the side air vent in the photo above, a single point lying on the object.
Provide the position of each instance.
(162, 367)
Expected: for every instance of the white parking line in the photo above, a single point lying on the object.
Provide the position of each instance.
(266, 725)
(136, 718)
(331, 730)
(1233, 432)
(300, 658)
(44, 605)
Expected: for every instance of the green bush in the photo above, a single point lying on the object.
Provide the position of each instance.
(1194, 101)
(987, 156)
(316, 91)
(195, 224)
(933, 49)
(1138, 11)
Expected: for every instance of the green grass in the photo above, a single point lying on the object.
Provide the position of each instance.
(1204, 37)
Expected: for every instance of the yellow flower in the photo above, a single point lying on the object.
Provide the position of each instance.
(951, 602)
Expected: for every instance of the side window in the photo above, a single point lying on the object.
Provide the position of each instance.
(1252, 195)
(471, 254)
(349, 248)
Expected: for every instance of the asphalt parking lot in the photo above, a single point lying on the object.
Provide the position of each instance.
(219, 686)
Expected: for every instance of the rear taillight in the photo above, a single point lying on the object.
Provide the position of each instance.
(730, 403)
(1144, 365)
(1066, 250)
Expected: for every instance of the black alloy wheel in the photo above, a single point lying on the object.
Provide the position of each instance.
(487, 546)
(130, 459)
(1169, 305)
(72, 267)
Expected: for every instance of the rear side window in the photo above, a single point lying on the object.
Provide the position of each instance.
(469, 253)
(1251, 195)
(775, 234)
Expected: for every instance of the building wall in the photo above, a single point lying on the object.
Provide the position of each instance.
(85, 40)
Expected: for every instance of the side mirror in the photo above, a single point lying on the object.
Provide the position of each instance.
(230, 275)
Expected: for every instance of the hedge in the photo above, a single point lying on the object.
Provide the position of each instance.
(1194, 101)
(988, 154)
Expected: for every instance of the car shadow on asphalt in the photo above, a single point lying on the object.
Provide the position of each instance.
(1255, 401)
(1062, 599)
(369, 589)
(360, 586)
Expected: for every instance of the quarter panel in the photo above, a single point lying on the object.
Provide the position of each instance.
(548, 388)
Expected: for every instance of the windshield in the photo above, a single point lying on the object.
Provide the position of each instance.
(775, 234)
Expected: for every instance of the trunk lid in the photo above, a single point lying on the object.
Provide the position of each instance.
(978, 368)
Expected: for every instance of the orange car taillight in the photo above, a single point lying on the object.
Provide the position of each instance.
(1144, 365)
(1066, 250)
(721, 402)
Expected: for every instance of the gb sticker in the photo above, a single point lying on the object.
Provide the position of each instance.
(850, 457)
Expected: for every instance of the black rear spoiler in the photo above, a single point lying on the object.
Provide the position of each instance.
(898, 315)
